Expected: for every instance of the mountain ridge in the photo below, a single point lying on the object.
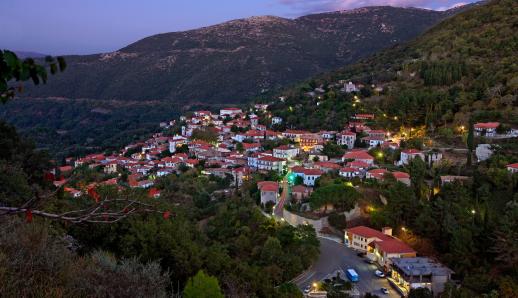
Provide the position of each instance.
(236, 60)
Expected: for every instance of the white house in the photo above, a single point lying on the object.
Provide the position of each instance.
(513, 168)
(408, 154)
(286, 152)
(231, 112)
(270, 163)
(276, 120)
(349, 172)
(254, 120)
(350, 87)
(176, 141)
(373, 141)
(487, 129)
(311, 175)
(347, 138)
(269, 191)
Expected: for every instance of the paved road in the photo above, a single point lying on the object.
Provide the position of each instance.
(334, 256)
(278, 211)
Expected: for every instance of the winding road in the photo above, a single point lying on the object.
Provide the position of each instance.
(335, 256)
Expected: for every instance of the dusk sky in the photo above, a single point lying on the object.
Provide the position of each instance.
(91, 26)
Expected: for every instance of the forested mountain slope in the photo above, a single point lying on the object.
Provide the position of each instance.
(236, 60)
(465, 64)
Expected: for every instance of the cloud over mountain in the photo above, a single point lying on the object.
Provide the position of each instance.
(313, 6)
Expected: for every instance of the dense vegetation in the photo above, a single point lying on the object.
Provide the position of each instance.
(76, 127)
(228, 238)
(461, 71)
(466, 64)
(465, 224)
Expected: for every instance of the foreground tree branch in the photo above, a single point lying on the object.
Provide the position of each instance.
(105, 211)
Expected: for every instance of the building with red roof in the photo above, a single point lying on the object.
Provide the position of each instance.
(513, 168)
(363, 156)
(486, 128)
(230, 112)
(376, 174)
(271, 163)
(348, 172)
(269, 191)
(285, 151)
(327, 166)
(311, 175)
(300, 192)
(380, 245)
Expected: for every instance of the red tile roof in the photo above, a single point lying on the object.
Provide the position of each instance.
(386, 243)
(357, 155)
(313, 172)
(327, 164)
(271, 158)
(268, 186)
(400, 175)
(348, 170)
(298, 169)
(411, 151)
(487, 125)
(513, 165)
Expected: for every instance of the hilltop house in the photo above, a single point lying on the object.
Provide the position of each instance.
(487, 129)
(512, 168)
(230, 112)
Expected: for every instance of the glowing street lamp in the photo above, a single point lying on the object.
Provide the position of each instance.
(473, 211)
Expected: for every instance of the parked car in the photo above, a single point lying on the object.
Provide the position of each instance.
(307, 289)
(385, 291)
(379, 273)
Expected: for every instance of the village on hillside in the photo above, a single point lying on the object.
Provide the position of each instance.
(235, 144)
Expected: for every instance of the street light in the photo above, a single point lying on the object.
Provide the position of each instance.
(473, 211)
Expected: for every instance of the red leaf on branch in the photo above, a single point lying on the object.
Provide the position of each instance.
(166, 215)
(28, 215)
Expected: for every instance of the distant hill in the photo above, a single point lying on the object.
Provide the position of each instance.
(464, 66)
(24, 54)
(237, 60)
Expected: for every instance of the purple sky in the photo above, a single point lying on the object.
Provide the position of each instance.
(92, 26)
